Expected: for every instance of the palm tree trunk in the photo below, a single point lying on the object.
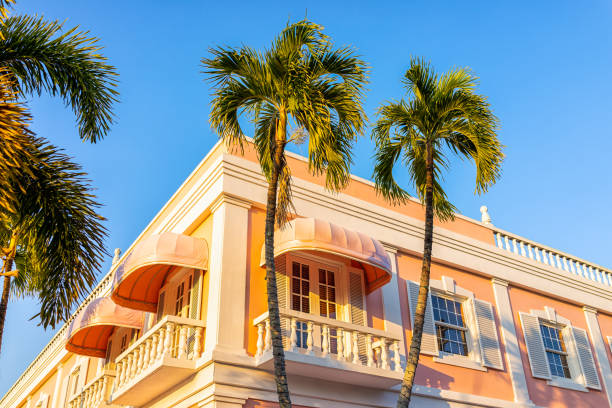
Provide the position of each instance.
(6, 289)
(419, 314)
(280, 374)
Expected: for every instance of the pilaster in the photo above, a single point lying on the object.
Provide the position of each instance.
(601, 356)
(58, 383)
(391, 303)
(225, 320)
(510, 339)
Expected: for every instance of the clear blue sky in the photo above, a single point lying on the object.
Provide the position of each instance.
(544, 65)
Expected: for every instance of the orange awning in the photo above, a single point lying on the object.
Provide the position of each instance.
(311, 234)
(89, 331)
(142, 274)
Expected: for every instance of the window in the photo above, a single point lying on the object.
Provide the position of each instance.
(450, 326)
(327, 304)
(555, 351)
(183, 296)
(300, 298)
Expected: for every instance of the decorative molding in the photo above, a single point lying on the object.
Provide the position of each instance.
(501, 282)
(589, 309)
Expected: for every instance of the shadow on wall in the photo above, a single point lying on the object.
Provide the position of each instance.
(433, 378)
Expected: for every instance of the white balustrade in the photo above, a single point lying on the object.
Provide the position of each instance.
(169, 338)
(551, 257)
(96, 393)
(334, 339)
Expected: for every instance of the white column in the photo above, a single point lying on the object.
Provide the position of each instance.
(509, 337)
(227, 275)
(599, 345)
(391, 304)
(58, 384)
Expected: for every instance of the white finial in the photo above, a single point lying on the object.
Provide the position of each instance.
(486, 218)
(117, 255)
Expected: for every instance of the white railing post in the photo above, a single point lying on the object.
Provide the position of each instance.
(325, 339)
(182, 346)
(293, 336)
(169, 339)
(384, 355)
(197, 347)
(396, 357)
(340, 344)
(369, 351)
(355, 347)
(260, 339)
(309, 329)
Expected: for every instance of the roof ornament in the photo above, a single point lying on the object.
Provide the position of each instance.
(486, 218)
(117, 255)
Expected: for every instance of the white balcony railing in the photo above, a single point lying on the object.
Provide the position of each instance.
(96, 393)
(551, 257)
(332, 339)
(173, 337)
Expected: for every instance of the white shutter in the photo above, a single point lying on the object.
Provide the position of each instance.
(429, 343)
(194, 309)
(610, 343)
(282, 288)
(161, 305)
(357, 306)
(487, 334)
(535, 346)
(587, 363)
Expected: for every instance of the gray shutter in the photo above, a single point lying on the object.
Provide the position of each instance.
(487, 334)
(358, 315)
(282, 287)
(535, 346)
(160, 305)
(583, 349)
(429, 343)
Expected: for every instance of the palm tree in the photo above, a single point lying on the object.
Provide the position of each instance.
(442, 115)
(47, 213)
(300, 88)
(54, 236)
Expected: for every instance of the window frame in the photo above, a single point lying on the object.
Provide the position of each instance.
(563, 352)
(465, 329)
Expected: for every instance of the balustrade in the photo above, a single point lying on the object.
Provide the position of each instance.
(94, 394)
(332, 339)
(552, 258)
(173, 337)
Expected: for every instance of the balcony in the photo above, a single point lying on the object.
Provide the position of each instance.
(333, 350)
(162, 358)
(96, 393)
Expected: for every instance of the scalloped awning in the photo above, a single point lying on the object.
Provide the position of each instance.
(311, 234)
(142, 274)
(89, 331)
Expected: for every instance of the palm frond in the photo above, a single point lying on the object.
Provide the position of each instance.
(42, 56)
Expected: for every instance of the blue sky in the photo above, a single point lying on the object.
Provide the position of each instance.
(545, 67)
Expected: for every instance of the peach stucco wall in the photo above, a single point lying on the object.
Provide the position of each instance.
(365, 191)
(605, 325)
(493, 383)
(540, 392)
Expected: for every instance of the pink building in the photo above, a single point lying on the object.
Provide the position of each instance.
(181, 319)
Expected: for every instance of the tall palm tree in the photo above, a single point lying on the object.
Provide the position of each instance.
(47, 213)
(300, 88)
(53, 236)
(442, 115)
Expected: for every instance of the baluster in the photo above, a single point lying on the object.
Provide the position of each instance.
(293, 336)
(197, 347)
(268, 339)
(128, 373)
(565, 265)
(260, 339)
(396, 356)
(105, 388)
(135, 360)
(369, 351)
(529, 254)
(537, 254)
(609, 276)
(544, 257)
(355, 348)
(507, 243)
(169, 338)
(585, 271)
(515, 246)
(325, 339)
(119, 378)
(160, 343)
(309, 337)
(153, 352)
(182, 345)
(340, 342)
(147, 353)
(384, 355)
(591, 275)
(522, 248)
(572, 266)
(598, 275)
(141, 351)
(558, 261)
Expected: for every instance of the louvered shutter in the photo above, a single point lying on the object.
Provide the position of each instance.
(535, 346)
(282, 287)
(194, 308)
(160, 305)
(429, 343)
(487, 334)
(587, 363)
(358, 315)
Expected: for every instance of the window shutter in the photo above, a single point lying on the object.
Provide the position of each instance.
(535, 346)
(429, 343)
(358, 315)
(282, 287)
(160, 305)
(194, 305)
(487, 334)
(583, 350)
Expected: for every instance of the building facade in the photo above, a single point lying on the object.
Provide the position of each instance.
(181, 318)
